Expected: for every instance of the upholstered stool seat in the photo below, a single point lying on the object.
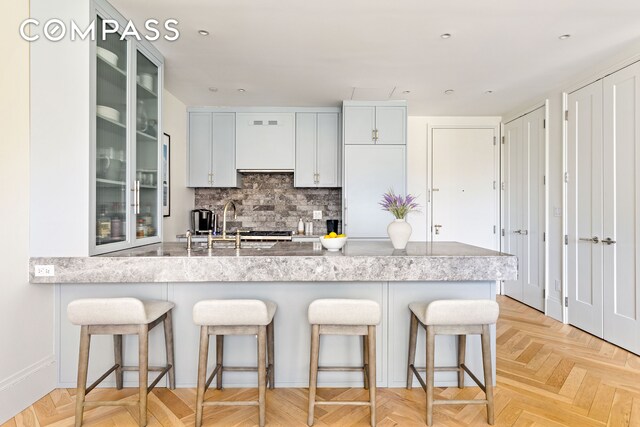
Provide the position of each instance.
(453, 317)
(344, 317)
(234, 317)
(117, 317)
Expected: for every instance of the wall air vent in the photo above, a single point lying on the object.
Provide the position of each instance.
(264, 123)
(258, 122)
(273, 123)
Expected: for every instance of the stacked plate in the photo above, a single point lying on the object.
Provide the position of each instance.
(108, 113)
(107, 56)
(146, 81)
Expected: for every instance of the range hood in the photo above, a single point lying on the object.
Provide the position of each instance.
(265, 170)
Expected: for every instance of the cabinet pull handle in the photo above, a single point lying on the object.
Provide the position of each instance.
(377, 137)
(137, 197)
(608, 241)
(373, 135)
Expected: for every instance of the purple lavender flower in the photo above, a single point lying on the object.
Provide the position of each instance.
(398, 205)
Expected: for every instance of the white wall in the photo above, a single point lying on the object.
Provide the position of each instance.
(28, 369)
(417, 161)
(60, 135)
(174, 116)
(625, 56)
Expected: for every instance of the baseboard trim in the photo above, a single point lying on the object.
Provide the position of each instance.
(26, 386)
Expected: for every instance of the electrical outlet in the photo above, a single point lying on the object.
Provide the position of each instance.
(317, 214)
(44, 271)
(557, 285)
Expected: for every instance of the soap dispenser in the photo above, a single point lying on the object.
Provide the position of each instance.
(300, 227)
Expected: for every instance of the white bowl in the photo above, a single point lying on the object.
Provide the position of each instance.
(146, 81)
(107, 56)
(108, 113)
(333, 245)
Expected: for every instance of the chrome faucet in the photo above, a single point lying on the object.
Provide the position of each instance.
(188, 240)
(224, 217)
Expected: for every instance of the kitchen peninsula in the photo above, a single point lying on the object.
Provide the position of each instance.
(292, 275)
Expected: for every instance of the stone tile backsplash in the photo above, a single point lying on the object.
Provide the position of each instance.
(268, 201)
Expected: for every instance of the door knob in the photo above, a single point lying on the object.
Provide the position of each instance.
(608, 241)
(593, 239)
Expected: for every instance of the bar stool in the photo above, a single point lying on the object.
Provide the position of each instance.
(234, 317)
(344, 317)
(117, 317)
(453, 317)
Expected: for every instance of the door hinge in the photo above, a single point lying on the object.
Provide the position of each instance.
(503, 139)
(566, 301)
(502, 232)
(494, 229)
(494, 140)
(544, 123)
(566, 115)
(566, 239)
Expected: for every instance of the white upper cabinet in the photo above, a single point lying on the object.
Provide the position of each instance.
(375, 124)
(265, 141)
(212, 150)
(317, 148)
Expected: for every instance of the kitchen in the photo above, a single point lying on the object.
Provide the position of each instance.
(62, 204)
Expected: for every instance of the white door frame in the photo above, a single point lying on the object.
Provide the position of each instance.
(496, 173)
(526, 111)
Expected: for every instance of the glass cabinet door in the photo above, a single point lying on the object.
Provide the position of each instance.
(147, 138)
(111, 139)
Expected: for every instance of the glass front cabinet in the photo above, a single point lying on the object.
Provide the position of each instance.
(127, 86)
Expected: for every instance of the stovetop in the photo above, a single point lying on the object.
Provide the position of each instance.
(258, 234)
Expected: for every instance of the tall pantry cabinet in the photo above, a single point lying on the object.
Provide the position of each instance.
(126, 201)
(603, 208)
(375, 161)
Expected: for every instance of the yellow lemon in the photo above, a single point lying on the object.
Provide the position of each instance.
(333, 234)
(342, 235)
(326, 236)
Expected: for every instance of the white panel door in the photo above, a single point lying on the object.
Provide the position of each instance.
(391, 125)
(621, 203)
(532, 236)
(370, 171)
(584, 209)
(359, 124)
(515, 204)
(200, 135)
(464, 198)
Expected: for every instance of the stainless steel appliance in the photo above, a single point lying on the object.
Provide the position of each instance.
(201, 221)
(260, 235)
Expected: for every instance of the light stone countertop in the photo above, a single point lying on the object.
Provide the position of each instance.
(284, 262)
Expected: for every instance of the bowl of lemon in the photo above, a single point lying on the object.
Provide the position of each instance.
(333, 242)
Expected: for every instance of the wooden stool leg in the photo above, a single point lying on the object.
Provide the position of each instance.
(365, 360)
(219, 361)
(117, 353)
(462, 349)
(143, 362)
(313, 370)
(262, 374)
(168, 343)
(430, 373)
(202, 372)
(372, 372)
(270, 351)
(488, 371)
(413, 336)
(83, 365)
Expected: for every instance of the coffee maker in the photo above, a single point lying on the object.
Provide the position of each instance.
(202, 220)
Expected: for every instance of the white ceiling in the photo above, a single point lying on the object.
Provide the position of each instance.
(314, 53)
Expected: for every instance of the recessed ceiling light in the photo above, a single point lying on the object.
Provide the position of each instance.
(213, 89)
(445, 36)
(564, 36)
(449, 92)
(406, 91)
(242, 90)
(203, 32)
(488, 92)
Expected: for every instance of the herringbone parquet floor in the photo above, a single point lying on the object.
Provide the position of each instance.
(549, 374)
